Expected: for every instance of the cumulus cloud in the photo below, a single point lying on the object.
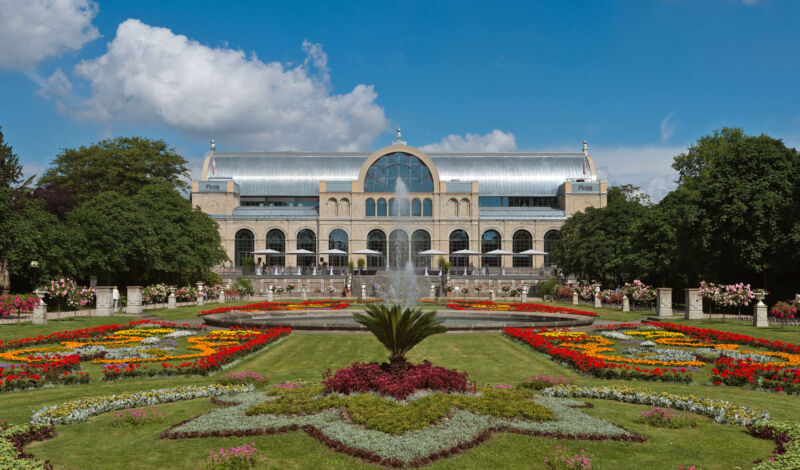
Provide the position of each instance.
(646, 166)
(495, 141)
(149, 75)
(31, 30)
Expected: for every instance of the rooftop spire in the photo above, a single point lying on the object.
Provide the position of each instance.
(585, 147)
(398, 140)
(213, 145)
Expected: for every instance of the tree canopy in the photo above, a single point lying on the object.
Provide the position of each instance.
(123, 165)
(10, 168)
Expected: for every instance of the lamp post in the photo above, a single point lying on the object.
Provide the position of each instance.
(35, 269)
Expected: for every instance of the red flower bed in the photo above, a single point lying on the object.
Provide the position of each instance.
(61, 370)
(728, 337)
(516, 307)
(360, 377)
(593, 365)
(272, 306)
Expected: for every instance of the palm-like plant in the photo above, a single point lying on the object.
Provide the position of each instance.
(399, 330)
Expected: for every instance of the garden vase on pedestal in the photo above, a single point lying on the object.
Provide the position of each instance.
(303, 293)
(270, 294)
(363, 292)
(574, 298)
(432, 294)
(626, 304)
(105, 306)
(134, 305)
(523, 292)
(597, 302)
(200, 294)
(40, 310)
(760, 319)
(664, 301)
(171, 300)
(694, 304)
(492, 295)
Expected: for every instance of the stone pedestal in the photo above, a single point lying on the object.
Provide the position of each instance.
(40, 311)
(760, 319)
(664, 302)
(597, 302)
(134, 300)
(433, 291)
(172, 302)
(363, 292)
(105, 306)
(626, 304)
(270, 294)
(303, 293)
(694, 304)
(523, 289)
(574, 298)
(221, 296)
(200, 294)
(492, 295)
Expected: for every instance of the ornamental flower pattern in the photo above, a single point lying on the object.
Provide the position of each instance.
(515, 307)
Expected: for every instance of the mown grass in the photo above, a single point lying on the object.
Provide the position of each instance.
(489, 358)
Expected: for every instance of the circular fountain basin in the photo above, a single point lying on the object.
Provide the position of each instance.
(342, 320)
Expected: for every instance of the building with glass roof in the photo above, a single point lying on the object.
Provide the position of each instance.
(397, 202)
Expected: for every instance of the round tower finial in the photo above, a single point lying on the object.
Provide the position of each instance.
(399, 137)
(213, 145)
(585, 146)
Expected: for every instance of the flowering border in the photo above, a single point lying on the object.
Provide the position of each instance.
(515, 307)
(273, 306)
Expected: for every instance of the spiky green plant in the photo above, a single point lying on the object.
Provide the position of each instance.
(399, 329)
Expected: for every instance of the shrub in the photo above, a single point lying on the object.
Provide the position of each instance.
(359, 377)
(666, 418)
(246, 377)
(562, 460)
(540, 382)
(235, 458)
(137, 416)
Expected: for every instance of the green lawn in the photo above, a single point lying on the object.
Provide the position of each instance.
(489, 358)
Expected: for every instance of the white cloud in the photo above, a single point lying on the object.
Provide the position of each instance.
(751, 2)
(646, 166)
(495, 141)
(149, 75)
(31, 30)
(667, 128)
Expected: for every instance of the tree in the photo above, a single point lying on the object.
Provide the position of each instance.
(10, 168)
(399, 330)
(743, 192)
(123, 164)
(597, 245)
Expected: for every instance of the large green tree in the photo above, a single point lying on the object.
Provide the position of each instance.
(124, 165)
(10, 168)
(597, 245)
(10, 175)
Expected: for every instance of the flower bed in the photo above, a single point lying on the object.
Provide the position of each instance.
(515, 307)
(442, 438)
(360, 377)
(787, 436)
(585, 353)
(76, 411)
(275, 306)
(12, 441)
(56, 358)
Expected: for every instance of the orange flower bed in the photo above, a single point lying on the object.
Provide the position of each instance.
(486, 305)
(273, 306)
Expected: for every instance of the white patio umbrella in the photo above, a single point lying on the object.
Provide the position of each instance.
(465, 252)
(531, 252)
(367, 251)
(333, 251)
(268, 251)
(301, 251)
(498, 252)
(431, 252)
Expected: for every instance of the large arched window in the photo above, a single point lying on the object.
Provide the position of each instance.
(427, 208)
(551, 239)
(376, 240)
(370, 207)
(276, 240)
(338, 240)
(398, 249)
(384, 173)
(459, 240)
(522, 241)
(306, 240)
(420, 241)
(490, 241)
(416, 208)
(243, 246)
(381, 207)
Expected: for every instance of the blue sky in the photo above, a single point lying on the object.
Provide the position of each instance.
(640, 80)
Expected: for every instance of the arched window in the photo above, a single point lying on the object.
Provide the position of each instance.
(344, 207)
(459, 240)
(338, 240)
(522, 241)
(376, 240)
(490, 241)
(384, 173)
(404, 207)
(381, 207)
(306, 240)
(551, 239)
(333, 207)
(392, 207)
(427, 208)
(398, 249)
(276, 240)
(420, 241)
(452, 208)
(243, 246)
(370, 207)
(464, 208)
(416, 208)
